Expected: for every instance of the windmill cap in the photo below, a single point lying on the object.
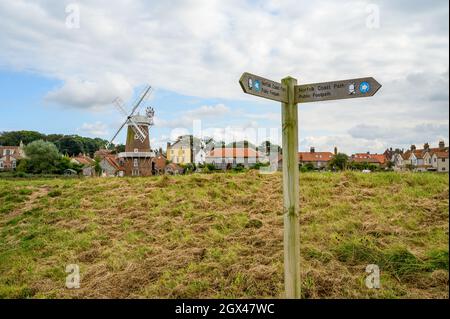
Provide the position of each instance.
(141, 119)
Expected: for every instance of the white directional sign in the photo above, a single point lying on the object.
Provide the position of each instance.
(256, 85)
(336, 90)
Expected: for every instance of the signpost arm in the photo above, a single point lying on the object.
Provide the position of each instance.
(289, 120)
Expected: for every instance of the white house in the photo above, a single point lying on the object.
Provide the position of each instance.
(398, 161)
(439, 161)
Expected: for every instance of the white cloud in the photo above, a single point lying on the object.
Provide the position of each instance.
(208, 111)
(200, 48)
(90, 94)
(186, 119)
(94, 129)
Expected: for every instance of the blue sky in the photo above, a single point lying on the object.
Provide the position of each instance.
(63, 62)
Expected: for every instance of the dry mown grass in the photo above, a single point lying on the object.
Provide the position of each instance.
(220, 236)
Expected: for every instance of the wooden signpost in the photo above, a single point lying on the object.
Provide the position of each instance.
(289, 94)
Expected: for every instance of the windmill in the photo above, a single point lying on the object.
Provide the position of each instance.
(136, 160)
(139, 133)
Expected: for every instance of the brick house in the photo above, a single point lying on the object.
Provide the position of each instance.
(379, 160)
(317, 159)
(159, 163)
(9, 156)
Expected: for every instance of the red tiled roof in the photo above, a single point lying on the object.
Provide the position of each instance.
(419, 153)
(113, 162)
(370, 158)
(315, 156)
(440, 154)
(406, 155)
(83, 160)
(234, 152)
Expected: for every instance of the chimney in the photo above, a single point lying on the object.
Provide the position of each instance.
(335, 150)
(441, 144)
(413, 148)
(312, 150)
(426, 147)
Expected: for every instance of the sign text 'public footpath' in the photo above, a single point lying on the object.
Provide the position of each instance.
(336, 90)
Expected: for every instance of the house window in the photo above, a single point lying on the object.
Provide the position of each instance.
(443, 168)
(135, 172)
(1, 164)
(135, 162)
(136, 150)
(443, 160)
(13, 164)
(171, 152)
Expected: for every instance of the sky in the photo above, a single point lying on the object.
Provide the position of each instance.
(62, 63)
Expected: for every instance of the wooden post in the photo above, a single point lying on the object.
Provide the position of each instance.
(289, 118)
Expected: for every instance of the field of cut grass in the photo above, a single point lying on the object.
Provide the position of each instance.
(220, 236)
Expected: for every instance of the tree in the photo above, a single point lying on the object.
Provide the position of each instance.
(119, 148)
(97, 167)
(71, 145)
(308, 167)
(339, 161)
(42, 157)
(54, 137)
(13, 138)
(63, 163)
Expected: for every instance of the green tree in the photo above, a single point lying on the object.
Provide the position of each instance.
(97, 167)
(13, 138)
(308, 167)
(42, 157)
(54, 137)
(339, 161)
(71, 145)
(63, 163)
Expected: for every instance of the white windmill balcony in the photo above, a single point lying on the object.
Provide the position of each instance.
(136, 154)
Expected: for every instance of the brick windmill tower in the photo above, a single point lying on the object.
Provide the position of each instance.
(137, 158)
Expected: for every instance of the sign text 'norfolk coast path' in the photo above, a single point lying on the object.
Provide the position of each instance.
(336, 90)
